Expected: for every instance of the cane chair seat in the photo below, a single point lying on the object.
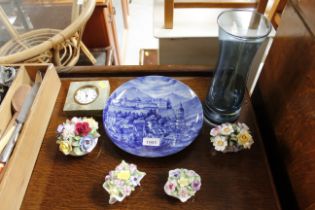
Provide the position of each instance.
(45, 45)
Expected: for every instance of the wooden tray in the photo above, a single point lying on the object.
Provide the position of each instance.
(17, 172)
(229, 181)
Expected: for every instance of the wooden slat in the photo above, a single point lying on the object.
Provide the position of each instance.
(211, 1)
(110, 35)
(98, 2)
(277, 19)
(125, 70)
(168, 14)
(216, 4)
(262, 6)
(273, 10)
(111, 13)
(125, 12)
(170, 5)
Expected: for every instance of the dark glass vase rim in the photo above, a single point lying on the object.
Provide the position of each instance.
(269, 26)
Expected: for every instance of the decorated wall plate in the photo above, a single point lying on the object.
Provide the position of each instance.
(87, 97)
(153, 116)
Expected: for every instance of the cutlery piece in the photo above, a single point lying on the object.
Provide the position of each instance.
(17, 103)
(5, 154)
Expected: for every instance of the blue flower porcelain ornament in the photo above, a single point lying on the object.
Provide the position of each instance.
(182, 184)
(77, 136)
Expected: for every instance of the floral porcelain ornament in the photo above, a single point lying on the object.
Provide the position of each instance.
(120, 182)
(229, 137)
(182, 184)
(77, 136)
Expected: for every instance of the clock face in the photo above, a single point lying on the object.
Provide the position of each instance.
(86, 94)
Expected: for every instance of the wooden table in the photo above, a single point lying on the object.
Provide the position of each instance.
(237, 181)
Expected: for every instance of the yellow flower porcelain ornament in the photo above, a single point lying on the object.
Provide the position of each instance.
(230, 137)
(120, 182)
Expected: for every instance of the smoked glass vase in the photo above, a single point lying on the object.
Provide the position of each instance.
(241, 32)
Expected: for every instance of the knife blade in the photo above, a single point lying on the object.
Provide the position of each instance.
(4, 156)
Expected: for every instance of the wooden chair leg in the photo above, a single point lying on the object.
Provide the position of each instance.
(262, 6)
(7, 24)
(125, 12)
(273, 12)
(14, 34)
(168, 13)
(109, 56)
(87, 53)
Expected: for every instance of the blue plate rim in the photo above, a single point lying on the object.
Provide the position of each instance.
(157, 76)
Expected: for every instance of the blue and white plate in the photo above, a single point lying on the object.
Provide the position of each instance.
(153, 116)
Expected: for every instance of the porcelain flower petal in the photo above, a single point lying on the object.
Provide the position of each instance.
(215, 131)
(243, 126)
(75, 120)
(245, 139)
(87, 144)
(93, 124)
(219, 143)
(227, 129)
(60, 128)
(65, 147)
(68, 131)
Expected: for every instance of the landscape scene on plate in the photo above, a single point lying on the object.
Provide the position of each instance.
(153, 107)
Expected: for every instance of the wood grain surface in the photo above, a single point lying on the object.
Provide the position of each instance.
(305, 9)
(287, 87)
(237, 181)
(50, 2)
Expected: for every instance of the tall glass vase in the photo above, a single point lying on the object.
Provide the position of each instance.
(241, 33)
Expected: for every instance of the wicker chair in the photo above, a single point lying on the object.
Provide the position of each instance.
(61, 47)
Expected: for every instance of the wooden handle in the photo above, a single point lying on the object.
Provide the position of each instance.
(8, 132)
(2, 168)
